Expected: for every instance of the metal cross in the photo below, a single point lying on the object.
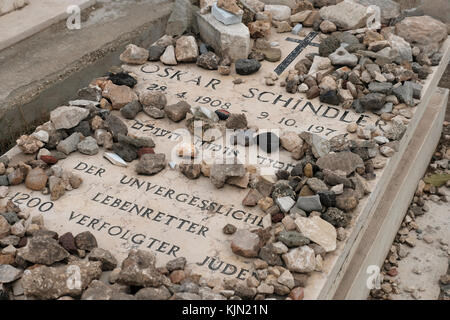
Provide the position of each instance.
(302, 44)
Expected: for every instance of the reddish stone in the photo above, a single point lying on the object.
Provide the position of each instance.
(392, 272)
(143, 151)
(67, 241)
(22, 242)
(277, 217)
(49, 159)
(177, 276)
(222, 114)
(6, 259)
(297, 294)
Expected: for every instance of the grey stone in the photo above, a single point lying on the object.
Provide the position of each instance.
(342, 57)
(380, 87)
(373, 101)
(345, 15)
(138, 142)
(125, 151)
(208, 60)
(309, 203)
(233, 40)
(68, 117)
(285, 203)
(161, 293)
(88, 146)
(336, 217)
(155, 52)
(116, 126)
(292, 238)
(131, 110)
(247, 66)
(43, 250)
(180, 19)
(405, 93)
(86, 241)
(9, 273)
(150, 164)
(138, 269)
(70, 144)
(227, 18)
(219, 173)
(105, 257)
(300, 259)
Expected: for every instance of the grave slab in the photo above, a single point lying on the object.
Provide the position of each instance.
(176, 217)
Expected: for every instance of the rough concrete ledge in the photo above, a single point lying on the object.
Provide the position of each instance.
(44, 71)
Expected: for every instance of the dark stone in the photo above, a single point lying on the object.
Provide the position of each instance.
(131, 110)
(115, 126)
(380, 87)
(267, 254)
(336, 217)
(122, 79)
(373, 101)
(86, 241)
(292, 239)
(67, 241)
(283, 174)
(247, 66)
(11, 217)
(268, 142)
(83, 127)
(223, 114)
(209, 61)
(327, 198)
(329, 45)
(405, 93)
(283, 189)
(330, 97)
(126, 151)
(155, 52)
(229, 229)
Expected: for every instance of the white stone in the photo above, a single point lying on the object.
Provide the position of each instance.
(279, 12)
(298, 27)
(4, 191)
(318, 231)
(290, 3)
(68, 117)
(115, 159)
(41, 135)
(338, 189)
(301, 259)
(227, 18)
(287, 279)
(279, 247)
(285, 203)
(168, 57)
(345, 15)
(233, 40)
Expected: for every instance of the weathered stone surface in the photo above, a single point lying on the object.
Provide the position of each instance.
(46, 283)
(279, 12)
(389, 9)
(292, 239)
(150, 164)
(36, 179)
(246, 243)
(131, 110)
(345, 15)
(180, 19)
(116, 126)
(177, 112)
(336, 217)
(119, 96)
(134, 55)
(161, 293)
(309, 203)
(347, 201)
(154, 99)
(252, 198)
(318, 231)
(247, 66)
(269, 254)
(105, 257)
(421, 31)
(186, 49)
(88, 146)
(68, 117)
(86, 241)
(219, 173)
(234, 40)
(138, 269)
(208, 60)
(9, 274)
(342, 57)
(43, 250)
(345, 161)
(300, 259)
